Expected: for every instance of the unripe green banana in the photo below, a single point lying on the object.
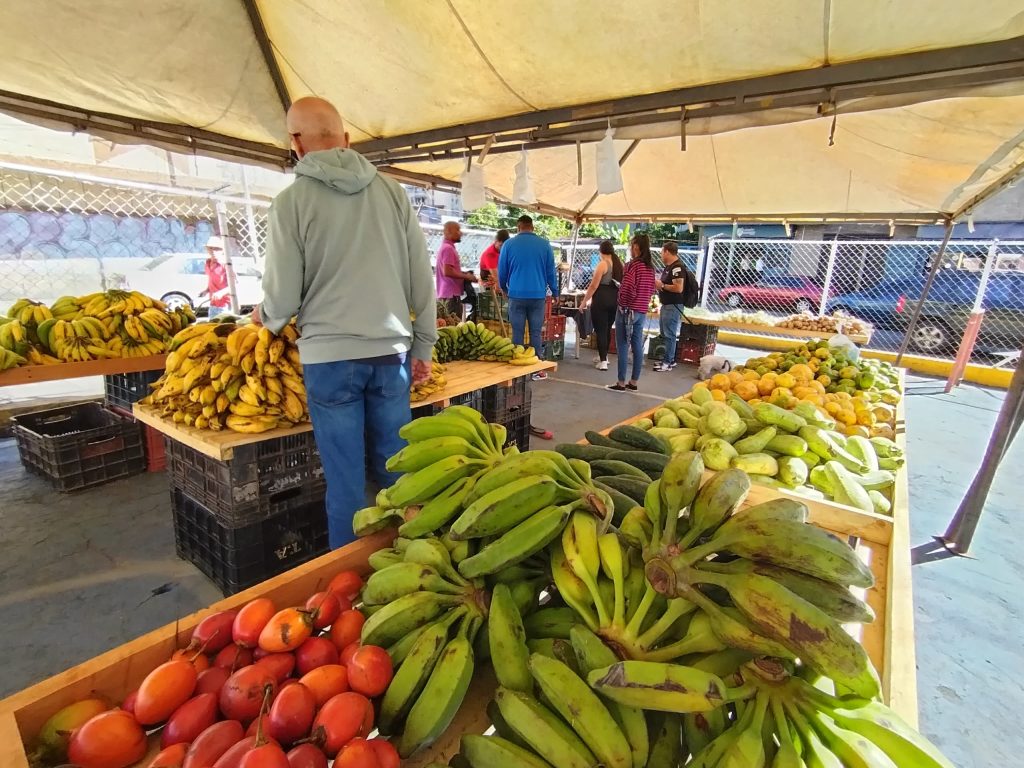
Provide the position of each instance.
(372, 519)
(718, 498)
(439, 425)
(614, 562)
(479, 423)
(416, 456)
(851, 748)
(440, 699)
(402, 579)
(382, 558)
(542, 729)
(550, 622)
(801, 627)
(680, 481)
(747, 748)
(530, 536)
(496, 752)
(700, 637)
(591, 653)
(395, 620)
(814, 751)
(503, 509)
(797, 546)
(578, 705)
(437, 512)
(579, 543)
(702, 728)
(399, 650)
(572, 590)
(420, 487)
(882, 726)
(412, 675)
(659, 686)
(434, 553)
(510, 469)
(835, 600)
(507, 640)
(502, 728)
(666, 748)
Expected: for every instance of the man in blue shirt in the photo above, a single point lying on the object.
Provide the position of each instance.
(526, 271)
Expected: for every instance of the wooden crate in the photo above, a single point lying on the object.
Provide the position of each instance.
(33, 374)
(118, 672)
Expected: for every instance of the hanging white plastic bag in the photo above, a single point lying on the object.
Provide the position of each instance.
(522, 189)
(844, 344)
(473, 194)
(609, 173)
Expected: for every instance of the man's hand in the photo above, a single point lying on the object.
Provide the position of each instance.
(659, 285)
(257, 319)
(421, 370)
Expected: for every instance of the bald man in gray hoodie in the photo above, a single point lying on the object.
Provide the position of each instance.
(347, 256)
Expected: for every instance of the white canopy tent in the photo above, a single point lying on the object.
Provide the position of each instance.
(788, 109)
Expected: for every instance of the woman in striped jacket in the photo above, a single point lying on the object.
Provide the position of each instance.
(634, 299)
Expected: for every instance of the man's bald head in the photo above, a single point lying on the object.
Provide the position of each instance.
(315, 124)
(452, 231)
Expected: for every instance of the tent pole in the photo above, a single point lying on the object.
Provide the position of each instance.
(936, 264)
(572, 249)
(960, 533)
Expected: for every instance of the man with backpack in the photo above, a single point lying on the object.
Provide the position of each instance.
(677, 289)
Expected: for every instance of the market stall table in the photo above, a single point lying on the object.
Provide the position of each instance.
(34, 374)
(799, 333)
(462, 377)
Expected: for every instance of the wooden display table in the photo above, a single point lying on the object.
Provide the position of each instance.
(33, 374)
(856, 338)
(463, 376)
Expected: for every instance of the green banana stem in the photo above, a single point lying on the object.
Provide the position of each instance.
(677, 608)
(668, 534)
(690, 557)
(637, 620)
(781, 723)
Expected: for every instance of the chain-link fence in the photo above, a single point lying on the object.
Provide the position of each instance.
(880, 282)
(62, 233)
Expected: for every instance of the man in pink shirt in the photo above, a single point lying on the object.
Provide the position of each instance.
(448, 272)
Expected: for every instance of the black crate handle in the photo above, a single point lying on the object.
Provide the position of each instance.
(56, 419)
(104, 440)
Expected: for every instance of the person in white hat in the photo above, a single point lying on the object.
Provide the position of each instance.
(216, 277)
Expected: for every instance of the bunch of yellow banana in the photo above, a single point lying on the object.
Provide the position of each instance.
(29, 312)
(9, 359)
(66, 308)
(78, 349)
(239, 377)
(14, 336)
(436, 383)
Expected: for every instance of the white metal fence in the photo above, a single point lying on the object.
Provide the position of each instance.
(879, 281)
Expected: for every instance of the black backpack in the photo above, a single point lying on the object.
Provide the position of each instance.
(691, 290)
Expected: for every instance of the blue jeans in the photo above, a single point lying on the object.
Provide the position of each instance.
(671, 317)
(629, 339)
(355, 407)
(523, 311)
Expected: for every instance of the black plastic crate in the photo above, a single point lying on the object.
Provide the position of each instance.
(261, 479)
(656, 348)
(472, 399)
(518, 428)
(692, 351)
(500, 402)
(702, 334)
(79, 446)
(125, 389)
(235, 558)
(554, 350)
(490, 309)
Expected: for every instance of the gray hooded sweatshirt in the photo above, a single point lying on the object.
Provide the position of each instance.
(346, 254)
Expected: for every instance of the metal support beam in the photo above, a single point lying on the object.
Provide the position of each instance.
(885, 69)
(936, 266)
(182, 137)
(960, 533)
(259, 31)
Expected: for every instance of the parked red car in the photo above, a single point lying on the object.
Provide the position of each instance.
(788, 292)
